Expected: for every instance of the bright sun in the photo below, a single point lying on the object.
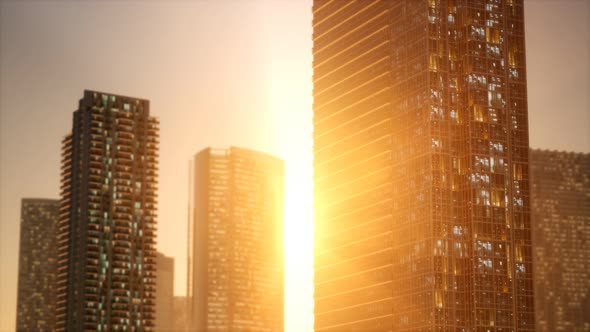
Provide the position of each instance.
(291, 109)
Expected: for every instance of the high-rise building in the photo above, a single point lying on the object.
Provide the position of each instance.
(420, 166)
(37, 265)
(165, 293)
(107, 226)
(180, 314)
(235, 258)
(560, 217)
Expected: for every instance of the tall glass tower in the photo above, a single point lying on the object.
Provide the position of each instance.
(235, 258)
(421, 166)
(107, 223)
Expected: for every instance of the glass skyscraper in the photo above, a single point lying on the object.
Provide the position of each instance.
(235, 258)
(107, 222)
(421, 166)
(560, 216)
(37, 265)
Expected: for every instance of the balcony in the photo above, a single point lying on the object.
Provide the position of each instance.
(123, 230)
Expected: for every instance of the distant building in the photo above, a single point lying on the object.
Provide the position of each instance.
(180, 314)
(107, 227)
(235, 266)
(165, 293)
(37, 265)
(560, 214)
(420, 166)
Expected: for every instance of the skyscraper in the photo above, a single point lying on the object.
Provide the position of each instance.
(165, 320)
(420, 166)
(235, 266)
(560, 217)
(37, 265)
(106, 232)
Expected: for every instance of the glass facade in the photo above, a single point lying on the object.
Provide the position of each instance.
(107, 223)
(235, 266)
(37, 265)
(421, 166)
(560, 215)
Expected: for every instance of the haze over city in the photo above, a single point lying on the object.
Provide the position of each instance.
(219, 74)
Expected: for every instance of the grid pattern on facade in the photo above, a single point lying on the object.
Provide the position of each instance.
(560, 215)
(107, 224)
(37, 265)
(420, 161)
(236, 260)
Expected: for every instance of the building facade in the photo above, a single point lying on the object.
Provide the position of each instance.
(107, 225)
(180, 314)
(165, 320)
(37, 265)
(560, 216)
(421, 166)
(235, 266)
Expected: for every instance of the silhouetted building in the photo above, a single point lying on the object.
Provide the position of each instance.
(235, 266)
(165, 293)
(560, 215)
(37, 265)
(180, 313)
(421, 166)
(107, 228)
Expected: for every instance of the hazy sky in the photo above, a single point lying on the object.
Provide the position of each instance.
(218, 73)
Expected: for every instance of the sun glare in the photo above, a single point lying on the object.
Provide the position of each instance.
(298, 237)
(291, 107)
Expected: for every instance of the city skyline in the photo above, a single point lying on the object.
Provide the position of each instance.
(16, 105)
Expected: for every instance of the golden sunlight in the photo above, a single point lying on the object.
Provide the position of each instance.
(291, 107)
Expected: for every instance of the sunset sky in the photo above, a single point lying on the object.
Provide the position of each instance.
(218, 73)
